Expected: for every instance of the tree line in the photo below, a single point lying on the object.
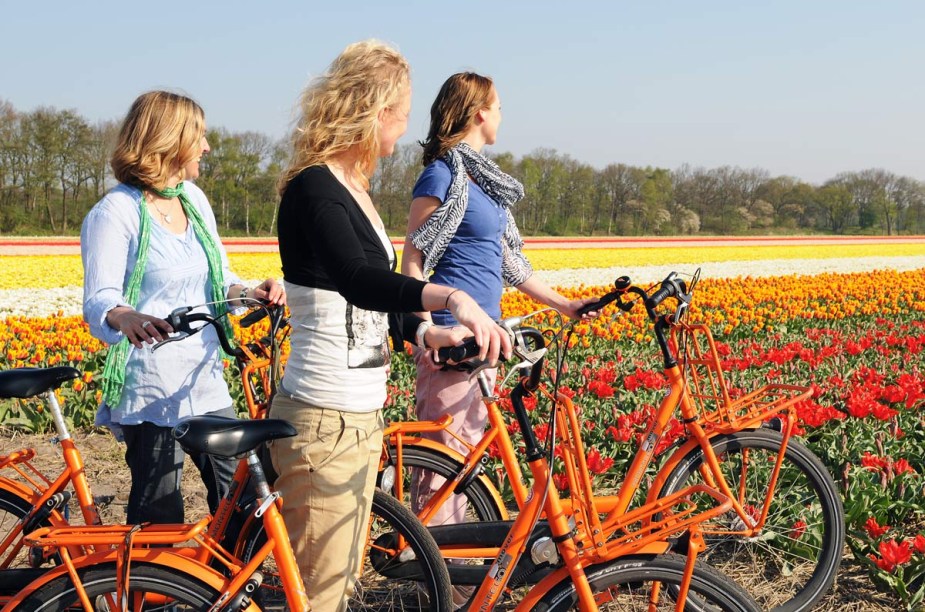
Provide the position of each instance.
(54, 165)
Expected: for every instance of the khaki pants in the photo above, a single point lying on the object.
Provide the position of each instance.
(327, 474)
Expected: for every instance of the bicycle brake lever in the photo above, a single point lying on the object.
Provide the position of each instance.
(478, 366)
(529, 360)
(176, 338)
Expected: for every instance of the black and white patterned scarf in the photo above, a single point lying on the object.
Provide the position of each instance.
(433, 236)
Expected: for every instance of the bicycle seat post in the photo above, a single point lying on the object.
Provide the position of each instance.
(57, 416)
(261, 486)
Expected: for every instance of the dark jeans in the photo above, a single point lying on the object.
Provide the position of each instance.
(155, 461)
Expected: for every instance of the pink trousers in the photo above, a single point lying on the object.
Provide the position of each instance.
(439, 393)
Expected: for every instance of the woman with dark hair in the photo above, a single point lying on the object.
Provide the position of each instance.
(149, 246)
(461, 233)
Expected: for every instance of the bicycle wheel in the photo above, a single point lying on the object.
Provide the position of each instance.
(482, 503)
(415, 578)
(151, 588)
(396, 578)
(792, 563)
(648, 583)
(13, 509)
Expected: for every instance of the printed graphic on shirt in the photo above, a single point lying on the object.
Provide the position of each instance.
(367, 338)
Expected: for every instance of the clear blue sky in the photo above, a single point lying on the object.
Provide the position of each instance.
(804, 88)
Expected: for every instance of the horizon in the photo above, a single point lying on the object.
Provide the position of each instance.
(808, 91)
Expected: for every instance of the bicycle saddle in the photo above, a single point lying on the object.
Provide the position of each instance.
(28, 382)
(226, 437)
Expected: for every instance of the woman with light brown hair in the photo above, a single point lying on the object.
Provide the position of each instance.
(149, 246)
(461, 233)
(339, 272)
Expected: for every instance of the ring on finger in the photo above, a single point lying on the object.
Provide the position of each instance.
(146, 324)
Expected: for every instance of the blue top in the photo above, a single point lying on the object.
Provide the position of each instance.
(472, 260)
(182, 378)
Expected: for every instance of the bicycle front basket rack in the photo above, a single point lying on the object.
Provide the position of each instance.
(716, 405)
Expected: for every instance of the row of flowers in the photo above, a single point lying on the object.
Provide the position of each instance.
(51, 271)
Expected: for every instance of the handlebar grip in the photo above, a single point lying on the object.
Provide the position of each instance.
(253, 317)
(591, 307)
(460, 352)
(667, 290)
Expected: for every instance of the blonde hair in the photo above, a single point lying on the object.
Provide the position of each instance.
(453, 112)
(157, 136)
(340, 109)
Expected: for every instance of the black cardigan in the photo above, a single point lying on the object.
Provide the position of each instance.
(327, 242)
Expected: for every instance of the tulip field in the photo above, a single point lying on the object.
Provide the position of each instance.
(857, 338)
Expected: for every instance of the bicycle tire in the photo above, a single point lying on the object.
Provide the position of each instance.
(625, 580)
(13, 508)
(185, 592)
(479, 492)
(418, 582)
(783, 573)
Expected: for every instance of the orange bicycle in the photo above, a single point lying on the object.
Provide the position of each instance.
(786, 524)
(564, 554)
(240, 537)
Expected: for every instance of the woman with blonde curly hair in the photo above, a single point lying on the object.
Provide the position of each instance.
(339, 273)
(149, 246)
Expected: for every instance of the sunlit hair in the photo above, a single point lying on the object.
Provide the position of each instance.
(340, 109)
(160, 134)
(453, 113)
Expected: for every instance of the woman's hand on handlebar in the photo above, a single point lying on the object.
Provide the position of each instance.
(573, 309)
(138, 327)
(270, 291)
(439, 336)
(491, 338)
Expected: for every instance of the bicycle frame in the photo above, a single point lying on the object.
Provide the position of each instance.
(78, 543)
(126, 544)
(752, 411)
(588, 541)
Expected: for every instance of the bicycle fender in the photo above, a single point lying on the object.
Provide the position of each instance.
(545, 585)
(149, 556)
(437, 447)
(18, 489)
(680, 454)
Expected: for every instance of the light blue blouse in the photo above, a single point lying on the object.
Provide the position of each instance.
(180, 379)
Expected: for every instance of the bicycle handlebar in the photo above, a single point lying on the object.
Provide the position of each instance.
(621, 285)
(181, 318)
(528, 343)
(671, 287)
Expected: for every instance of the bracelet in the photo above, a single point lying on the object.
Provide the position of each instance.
(421, 331)
(447, 305)
(243, 295)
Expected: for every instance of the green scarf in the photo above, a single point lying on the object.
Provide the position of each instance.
(114, 369)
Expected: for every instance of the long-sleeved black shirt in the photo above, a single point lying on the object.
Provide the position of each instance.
(326, 241)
